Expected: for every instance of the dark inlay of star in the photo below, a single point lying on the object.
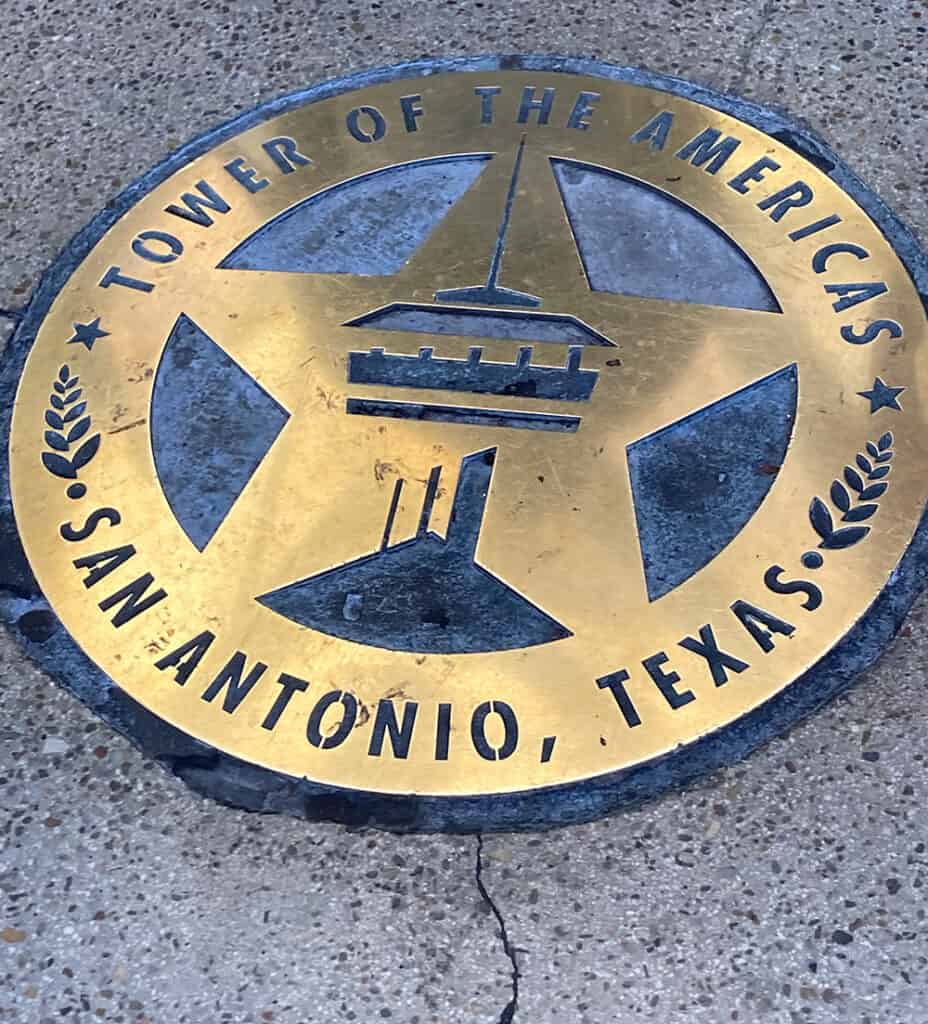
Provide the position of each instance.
(88, 334)
(881, 396)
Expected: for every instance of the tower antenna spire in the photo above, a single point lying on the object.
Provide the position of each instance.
(489, 293)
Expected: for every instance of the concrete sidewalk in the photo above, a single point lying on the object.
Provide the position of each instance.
(787, 889)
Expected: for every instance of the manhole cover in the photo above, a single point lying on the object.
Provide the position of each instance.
(479, 444)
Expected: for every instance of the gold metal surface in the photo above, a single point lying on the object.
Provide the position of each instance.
(559, 525)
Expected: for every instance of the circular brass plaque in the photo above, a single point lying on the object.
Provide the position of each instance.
(477, 445)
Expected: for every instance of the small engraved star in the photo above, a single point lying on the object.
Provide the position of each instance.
(881, 396)
(88, 334)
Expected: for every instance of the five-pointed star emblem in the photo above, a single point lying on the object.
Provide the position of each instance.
(881, 396)
(88, 334)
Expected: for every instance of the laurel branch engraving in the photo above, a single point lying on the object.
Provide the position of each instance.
(68, 425)
(867, 491)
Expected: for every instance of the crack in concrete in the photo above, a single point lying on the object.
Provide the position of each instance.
(509, 1010)
(750, 44)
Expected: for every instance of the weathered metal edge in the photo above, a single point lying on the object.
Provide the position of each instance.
(228, 780)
